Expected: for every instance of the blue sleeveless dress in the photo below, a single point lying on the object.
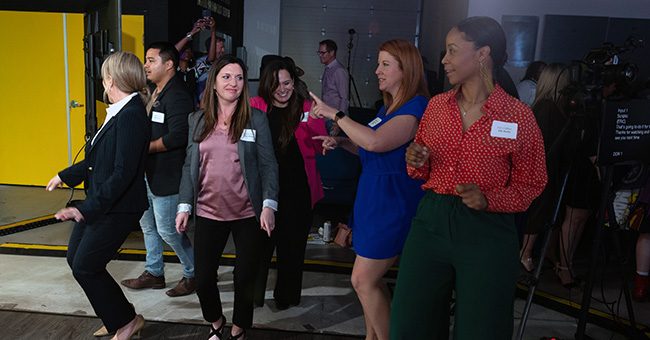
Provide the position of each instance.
(387, 197)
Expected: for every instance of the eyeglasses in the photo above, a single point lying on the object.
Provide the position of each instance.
(321, 52)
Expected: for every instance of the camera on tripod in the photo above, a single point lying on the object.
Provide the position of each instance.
(601, 73)
(606, 66)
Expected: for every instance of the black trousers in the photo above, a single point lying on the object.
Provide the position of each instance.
(210, 239)
(289, 239)
(90, 249)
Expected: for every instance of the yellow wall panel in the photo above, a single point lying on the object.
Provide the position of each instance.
(76, 74)
(32, 93)
(133, 35)
(33, 128)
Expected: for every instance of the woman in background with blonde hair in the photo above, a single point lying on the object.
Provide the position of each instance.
(113, 175)
(549, 109)
(577, 148)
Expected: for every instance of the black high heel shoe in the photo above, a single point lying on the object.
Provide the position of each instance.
(218, 332)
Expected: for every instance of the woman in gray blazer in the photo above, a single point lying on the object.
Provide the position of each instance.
(230, 181)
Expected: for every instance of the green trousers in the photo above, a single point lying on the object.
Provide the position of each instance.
(454, 248)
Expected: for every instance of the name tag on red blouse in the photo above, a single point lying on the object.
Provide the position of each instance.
(504, 130)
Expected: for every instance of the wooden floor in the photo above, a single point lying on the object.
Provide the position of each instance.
(38, 326)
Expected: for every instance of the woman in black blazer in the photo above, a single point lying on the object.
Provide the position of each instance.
(113, 176)
(230, 181)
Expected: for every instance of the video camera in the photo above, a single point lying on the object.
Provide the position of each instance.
(602, 108)
(602, 67)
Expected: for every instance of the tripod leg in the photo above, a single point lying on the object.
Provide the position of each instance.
(532, 285)
(586, 295)
(622, 273)
(549, 228)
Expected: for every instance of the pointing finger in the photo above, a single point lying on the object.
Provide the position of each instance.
(317, 100)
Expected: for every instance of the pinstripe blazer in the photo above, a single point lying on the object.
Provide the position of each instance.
(113, 169)
(257, 161)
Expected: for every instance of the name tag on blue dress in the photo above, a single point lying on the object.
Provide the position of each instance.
(374, 122)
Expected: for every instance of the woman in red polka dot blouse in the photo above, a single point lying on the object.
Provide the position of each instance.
(481, 155)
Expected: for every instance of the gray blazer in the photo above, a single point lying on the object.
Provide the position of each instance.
(257, 160)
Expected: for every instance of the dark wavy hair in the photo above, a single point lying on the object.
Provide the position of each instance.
(269, 83)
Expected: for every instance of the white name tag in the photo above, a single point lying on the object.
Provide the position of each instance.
(248, 135)
(374, 122)
(504, 130)
(305, 117)
(157, 117)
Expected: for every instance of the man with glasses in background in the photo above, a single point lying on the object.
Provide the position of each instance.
(334, 81)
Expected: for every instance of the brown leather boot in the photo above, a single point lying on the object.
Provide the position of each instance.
(641, 287)
(145, 280)
(185, 286)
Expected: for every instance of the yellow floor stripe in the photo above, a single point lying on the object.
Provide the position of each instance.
(33, 246)
(32, 220)
(579, 306)
(131, 251)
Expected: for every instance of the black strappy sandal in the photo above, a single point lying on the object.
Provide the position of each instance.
(218, 332)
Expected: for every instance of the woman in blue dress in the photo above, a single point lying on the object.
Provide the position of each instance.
(386, 196)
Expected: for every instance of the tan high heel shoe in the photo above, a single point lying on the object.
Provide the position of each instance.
(135, 331)
(102, 332)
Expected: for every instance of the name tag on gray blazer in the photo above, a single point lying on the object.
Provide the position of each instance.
(248, 135)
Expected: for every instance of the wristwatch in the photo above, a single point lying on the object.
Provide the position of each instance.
(189, 35)
(338, 116)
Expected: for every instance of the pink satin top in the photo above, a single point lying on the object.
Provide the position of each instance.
(222, 191)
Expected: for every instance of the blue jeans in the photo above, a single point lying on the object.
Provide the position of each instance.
(159, 224)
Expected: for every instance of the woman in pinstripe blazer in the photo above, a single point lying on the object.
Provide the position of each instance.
(113, 177)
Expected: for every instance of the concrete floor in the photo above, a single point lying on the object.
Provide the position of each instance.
(44, 283)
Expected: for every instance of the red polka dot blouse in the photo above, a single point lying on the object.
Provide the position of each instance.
(502, 152)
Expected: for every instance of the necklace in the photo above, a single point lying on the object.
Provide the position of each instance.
(462, 108)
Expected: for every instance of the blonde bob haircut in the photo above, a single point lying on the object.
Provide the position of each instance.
(127, 73)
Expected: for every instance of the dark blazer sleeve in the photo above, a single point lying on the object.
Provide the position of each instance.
(268, 166)
(177, 110)
(74, 175)
(130, 140)
(186, 188)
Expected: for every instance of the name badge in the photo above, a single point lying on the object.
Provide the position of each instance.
(248, 135)
(157, 117)
(305, 117)
(374, 122)
(504, 130)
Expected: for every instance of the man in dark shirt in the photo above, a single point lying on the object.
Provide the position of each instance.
(168, 109)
